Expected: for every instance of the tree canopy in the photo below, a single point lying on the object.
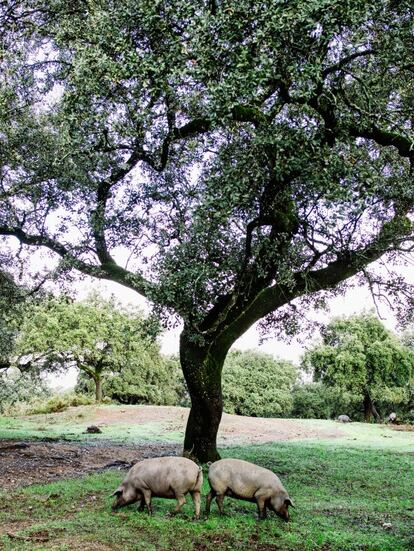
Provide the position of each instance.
(220, 158)
(360, 355)
(258, 385)
(97, 336)
(146, 378)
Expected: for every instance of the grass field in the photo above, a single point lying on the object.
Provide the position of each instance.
(350, 493)
(68, 427)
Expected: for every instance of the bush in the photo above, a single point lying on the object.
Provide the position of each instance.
(54, 404)
(19, 387)
(257, 384)
(397, 399)
(318, 401)
(309, 402)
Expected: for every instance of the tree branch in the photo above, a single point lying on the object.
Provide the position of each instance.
(308, 282)
(341, 63)
(384, 137)
(240, 113)
(107, 270)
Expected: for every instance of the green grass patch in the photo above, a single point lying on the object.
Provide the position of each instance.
(364, 435)
(346, 499)
(72, 424)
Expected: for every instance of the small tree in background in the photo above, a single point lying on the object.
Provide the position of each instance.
(18, 380)
(146, 378)
(257, 384)
(20, 385)
(97, 336)
(360, 355)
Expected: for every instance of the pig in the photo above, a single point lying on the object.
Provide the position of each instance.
(392, 417)
(247, 481)
(168, 477)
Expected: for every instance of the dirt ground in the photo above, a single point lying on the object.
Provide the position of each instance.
(31, 462)
(234, 429)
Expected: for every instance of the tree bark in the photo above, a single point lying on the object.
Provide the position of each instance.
(370, 409)
(98, 390)
(202, 366)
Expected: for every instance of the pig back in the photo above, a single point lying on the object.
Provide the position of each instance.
(166, 476)
(241, 478)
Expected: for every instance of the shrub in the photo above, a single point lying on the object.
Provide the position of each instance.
(257, 384)
(20, 387)
(318, 401)
(54, 404)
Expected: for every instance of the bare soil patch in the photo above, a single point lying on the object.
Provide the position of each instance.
(403, 428)
(42, 462)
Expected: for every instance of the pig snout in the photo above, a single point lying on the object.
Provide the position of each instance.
(119, 501)
(123, 497)
(283, 515)
(281, 506)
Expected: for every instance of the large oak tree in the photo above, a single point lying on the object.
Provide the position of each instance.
(245, 153)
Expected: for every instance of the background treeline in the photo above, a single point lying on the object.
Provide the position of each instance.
(357, 367)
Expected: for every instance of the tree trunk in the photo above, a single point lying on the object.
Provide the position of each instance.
(98, 390)
(370, 409)
(202, 366)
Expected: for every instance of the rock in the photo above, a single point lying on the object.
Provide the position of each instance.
(93, 429)
(387, 525)
(119, 464)
(344, 419)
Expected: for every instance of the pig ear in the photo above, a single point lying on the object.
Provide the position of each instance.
(117, 492)
(288, 502)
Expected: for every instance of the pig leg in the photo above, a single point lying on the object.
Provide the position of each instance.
(261, 507)
(141, 504)
(196, 497)
(220, 499)
(209, 498)
(147, 498)
(180, 502)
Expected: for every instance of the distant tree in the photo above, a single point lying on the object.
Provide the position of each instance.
(19, 379)
(97, 336)
(257, 384)
(360, 355)
(146, 378)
